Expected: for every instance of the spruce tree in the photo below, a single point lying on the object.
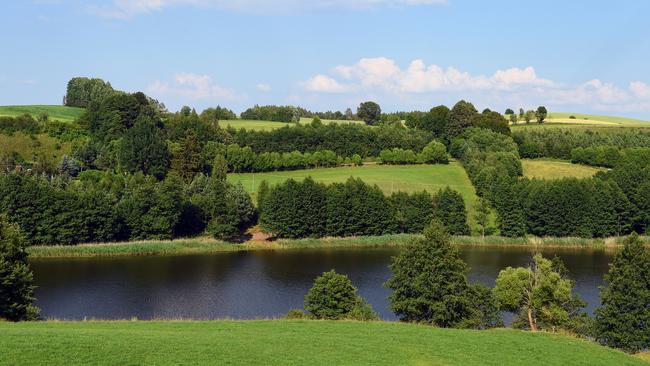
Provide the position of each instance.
(16, 279)
(429, 285)
(188, 162)
(623, 321)
(449, 209)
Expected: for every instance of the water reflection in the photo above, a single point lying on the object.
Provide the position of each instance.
(249, 285)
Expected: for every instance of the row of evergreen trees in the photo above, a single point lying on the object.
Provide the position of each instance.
(100, 207)
(295, 209)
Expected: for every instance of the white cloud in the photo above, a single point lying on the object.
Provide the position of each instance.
(189, 86)
(124, 9)
(324, 84)
(263, 87)
(418, 82)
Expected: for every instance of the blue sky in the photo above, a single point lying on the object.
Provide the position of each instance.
(584, 56)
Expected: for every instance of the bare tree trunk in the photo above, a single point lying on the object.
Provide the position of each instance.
(531, 321)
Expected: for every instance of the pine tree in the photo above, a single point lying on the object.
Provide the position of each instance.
(187, 162)
(429, 285)
(16, 279)
(449, 209)
(623, 321)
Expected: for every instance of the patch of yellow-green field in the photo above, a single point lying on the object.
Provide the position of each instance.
(556, 169)
(562, 119)
(289, 342)
(54, 112)
(28, 146)
(271, 125)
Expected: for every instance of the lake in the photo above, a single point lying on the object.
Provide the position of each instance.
(255, 284)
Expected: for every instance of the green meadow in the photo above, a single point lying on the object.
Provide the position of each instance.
(556, 169)
(56, 112)
(581, 120)
(285, 342)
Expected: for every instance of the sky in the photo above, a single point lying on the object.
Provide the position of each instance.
(579, 56)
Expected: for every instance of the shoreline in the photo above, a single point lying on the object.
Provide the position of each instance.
(206, 245)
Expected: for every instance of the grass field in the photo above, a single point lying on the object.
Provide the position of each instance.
(283, 342)
(561, 119)
(556, 169)
(27, 147)
(270, 125)
(57, 112)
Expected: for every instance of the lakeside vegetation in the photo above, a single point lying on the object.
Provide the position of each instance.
(290, 342)
(207, 245)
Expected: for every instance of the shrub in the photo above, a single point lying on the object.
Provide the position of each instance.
(333, 296)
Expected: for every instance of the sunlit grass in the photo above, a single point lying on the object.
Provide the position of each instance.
(556, 169)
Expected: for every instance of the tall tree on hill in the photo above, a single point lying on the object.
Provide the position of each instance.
(369, 112)
(187, 162)
(460, 118)
(144, 149)
(435, 120)
(623, 320)
(16, 279)
(82, 91)
(540, 114)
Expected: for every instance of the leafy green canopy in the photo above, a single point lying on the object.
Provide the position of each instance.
(429, 285)
(333, 296)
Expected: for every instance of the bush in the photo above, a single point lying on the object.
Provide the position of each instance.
(434, 153)
(333, 296)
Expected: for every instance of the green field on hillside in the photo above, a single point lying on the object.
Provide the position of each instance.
(281, 342)
(57, 112)
(556, 169)
(29, 146)
(270, 125)
(561, 119)
(390, 178)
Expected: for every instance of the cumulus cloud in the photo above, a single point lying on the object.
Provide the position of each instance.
(263, 87)
(190, 86)
(325, 84)
(123, 9)
(511, 86)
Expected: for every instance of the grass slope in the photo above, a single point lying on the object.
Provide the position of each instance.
(57, 112)
(28, 147)
(271, 125)
(281, 342)
(556, 169)
(561, 119)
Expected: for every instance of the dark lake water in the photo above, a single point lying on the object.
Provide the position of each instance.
(248, 285)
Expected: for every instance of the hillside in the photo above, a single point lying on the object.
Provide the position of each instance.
(265, 342)
(57, 112)
(562, 119)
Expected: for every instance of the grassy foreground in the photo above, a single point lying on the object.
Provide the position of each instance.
(281, 342)
(57, 112)
(208, 245)
(556, 169)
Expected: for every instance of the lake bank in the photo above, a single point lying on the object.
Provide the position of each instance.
(205, 245)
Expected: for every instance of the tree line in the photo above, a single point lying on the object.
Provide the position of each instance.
(559, 143)
(102, 207)
(298, 209)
